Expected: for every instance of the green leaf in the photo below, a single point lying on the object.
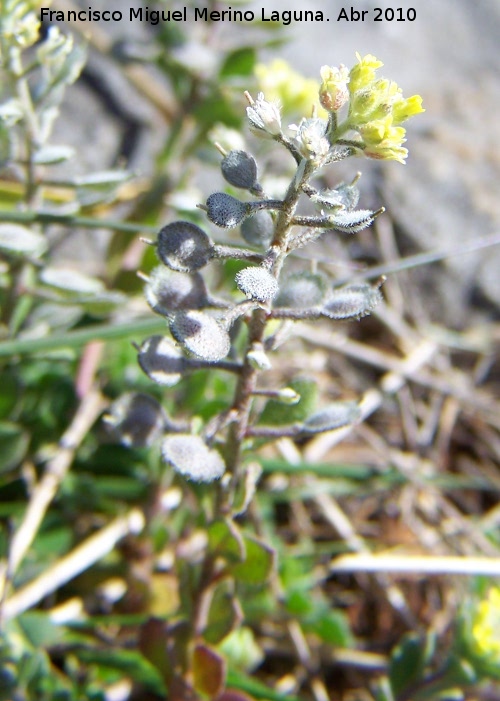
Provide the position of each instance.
(224, 614)
(209, 671)
(239, 63)
(333, 628)
(38, 629)
(14, 442)
(19, 240)
(132, 665)
(278, 414)
(258, 564)
(225, 540)
(406, 665)
(153, 643)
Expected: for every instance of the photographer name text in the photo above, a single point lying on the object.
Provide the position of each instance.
(203, 14)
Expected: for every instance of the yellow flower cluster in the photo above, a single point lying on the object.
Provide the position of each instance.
(377, 109)
(19, 23)
(486, 627)
(279, 82)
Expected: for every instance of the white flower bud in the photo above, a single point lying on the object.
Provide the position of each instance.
(257, 357)
(264, 117)
(310, 139)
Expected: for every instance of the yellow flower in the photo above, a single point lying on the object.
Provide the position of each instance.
(486, 626)
(333, 92)
(362, 74)
(403, 109)
(296, 94)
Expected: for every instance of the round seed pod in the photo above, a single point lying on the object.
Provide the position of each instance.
(137, 419)
(190, 456)
(161, 360)
(258, 230)
(332, 416)
(168, 290)
(201, 335)
(239, 169)
(353, 301)
(226, 211)
(184, 247)
(301, 290)
(257, 283)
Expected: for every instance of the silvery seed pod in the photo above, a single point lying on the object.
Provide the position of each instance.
(184, 247)
(161, 360)
(201, 335)
(226, 211)
(301, 290)
(168, 290)
(332, 416)
(352, 301)
(239, 169)
(191, 457)
(257, 283)
(137, 419)
(352, 222)
(258, 230)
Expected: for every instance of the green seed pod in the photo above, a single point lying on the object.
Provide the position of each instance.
(351, 302)
(333, 416)
(184, 247)
(201, 335)
(302, 290)
(168, 290)
(137, 419)
(258, 230)
(226, 211)
(240, 169)
(257, 283)
(161, 360)
(190, 456)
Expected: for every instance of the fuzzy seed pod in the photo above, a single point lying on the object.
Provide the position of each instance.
(137, 419)
(257, 283)
(184, 247)
(353, 301)
(301, 290)
(258, 230)
(352, 222)
(333, 416)
(190, 456)
(226, 211)
(161, 360)
(201, 335)
(345, 195)
(240, 169)
(167, 290)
